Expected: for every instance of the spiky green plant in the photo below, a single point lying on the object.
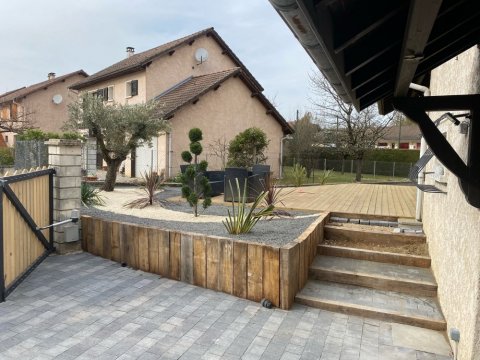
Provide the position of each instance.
(325, 175)
(274, 195)
(151, 183)
(91, 196)
(298, 173)
(242, 219)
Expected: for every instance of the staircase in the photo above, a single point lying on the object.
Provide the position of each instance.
(382, 285)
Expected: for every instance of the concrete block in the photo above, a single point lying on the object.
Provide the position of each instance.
(64, 160)
(68, 170)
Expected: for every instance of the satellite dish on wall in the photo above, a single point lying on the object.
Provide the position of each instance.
(201, 55)
(57, 99)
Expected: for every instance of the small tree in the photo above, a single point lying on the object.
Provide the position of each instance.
(119, 129)
(355, 132)
(195, 185)
(247, 148)
(219, 149)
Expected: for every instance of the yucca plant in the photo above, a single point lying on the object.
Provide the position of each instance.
(151, 183)
(299, 173)
(326, 174)
(242, 219)
(91, 196)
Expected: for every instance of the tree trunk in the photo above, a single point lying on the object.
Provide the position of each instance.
(358, 174)
(111, 178)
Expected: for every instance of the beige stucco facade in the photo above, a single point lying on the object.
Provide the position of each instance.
(39, 108)
(120, 88)
(452, 226)
(222, 114)
(171, 69)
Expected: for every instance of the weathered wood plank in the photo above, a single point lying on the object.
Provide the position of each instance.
(107, 238)
(199, 261)
(302, 265)
(255, 272)
(132, 250)
(289, 269)
(186, 261)
(225, 275)
(153, 251)
(240, 269)
(115, 233)
(163, 237)
(142, 240)
(175, 255)
(98, 237)
(212, 263)
(271, 275)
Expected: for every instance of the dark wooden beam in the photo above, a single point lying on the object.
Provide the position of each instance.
(449, 50)
(366, 30)
(358, 61)
(420, 21)
(171, 52)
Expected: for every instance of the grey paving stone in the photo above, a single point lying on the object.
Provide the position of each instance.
(83, 307)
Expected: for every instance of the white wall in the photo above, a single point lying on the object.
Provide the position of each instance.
(452, 226)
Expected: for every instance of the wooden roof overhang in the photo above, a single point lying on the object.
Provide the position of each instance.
(371, 51)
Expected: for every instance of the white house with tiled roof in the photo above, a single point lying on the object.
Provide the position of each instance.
(199, 82)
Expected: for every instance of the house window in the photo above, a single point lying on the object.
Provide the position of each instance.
(6, 138)
(132, 88)
(106, 94)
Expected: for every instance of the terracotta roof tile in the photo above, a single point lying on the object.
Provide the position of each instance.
(408, 132)
(190, 89)
(138, 61)
(19, 93)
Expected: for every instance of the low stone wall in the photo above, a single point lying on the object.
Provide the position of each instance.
(245, 269)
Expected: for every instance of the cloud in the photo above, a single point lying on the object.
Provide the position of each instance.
(63, 36)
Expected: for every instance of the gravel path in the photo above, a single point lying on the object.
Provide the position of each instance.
(273, 232)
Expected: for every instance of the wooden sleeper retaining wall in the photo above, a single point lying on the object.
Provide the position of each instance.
(245, 269)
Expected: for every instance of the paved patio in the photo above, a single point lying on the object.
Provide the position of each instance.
(85, 307)
(372, 199)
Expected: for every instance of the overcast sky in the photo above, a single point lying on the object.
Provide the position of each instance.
(64, 36)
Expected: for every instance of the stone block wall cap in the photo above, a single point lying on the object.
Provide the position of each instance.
(63, 142)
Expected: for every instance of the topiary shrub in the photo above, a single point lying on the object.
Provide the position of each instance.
(194, 184)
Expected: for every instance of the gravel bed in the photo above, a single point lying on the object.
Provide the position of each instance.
(277, 231)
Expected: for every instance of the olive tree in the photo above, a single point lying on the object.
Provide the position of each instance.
(119, 129)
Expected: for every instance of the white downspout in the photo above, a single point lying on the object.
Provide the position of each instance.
(423, 148)
(169, 155)
(280, 172)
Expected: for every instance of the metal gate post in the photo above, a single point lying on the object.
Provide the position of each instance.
(2, 259)
(50, 205)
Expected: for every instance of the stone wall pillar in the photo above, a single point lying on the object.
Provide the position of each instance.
(65, 156)
(90, 149)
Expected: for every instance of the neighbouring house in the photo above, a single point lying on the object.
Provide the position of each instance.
(423, 59)
(410, 136)
(198, 82)
(42, 105)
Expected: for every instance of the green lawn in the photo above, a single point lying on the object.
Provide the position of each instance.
(336, 177)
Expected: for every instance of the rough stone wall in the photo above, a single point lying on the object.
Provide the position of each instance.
(451, 224)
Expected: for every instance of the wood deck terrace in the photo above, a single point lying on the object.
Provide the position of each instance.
(368, 199)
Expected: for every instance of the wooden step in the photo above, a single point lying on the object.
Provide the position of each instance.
(377, 304)
(371, 234)
(378, 256)
(381, 276)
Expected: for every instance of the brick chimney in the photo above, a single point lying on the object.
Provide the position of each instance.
(130, 51)
(51, 76)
